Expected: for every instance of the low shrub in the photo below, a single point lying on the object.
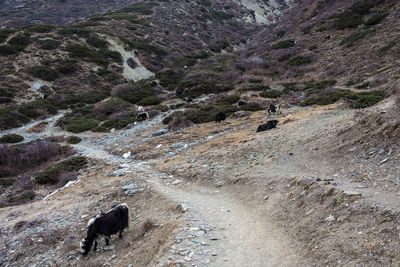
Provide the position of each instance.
(110, 106)
(11, 118)
(41, 28)
(43, 72)
(169, 79)
(74, 139)
(364, 85)
(81, 124)
(227, 100)
(35, 108)
(49, 44)
(252, 107)
(388, 46)
(219, 45)
(4, 182)
(349, 40)
(70, 30)
(17, 158)
(7, 50)
(376, 19)
(143, 8)
(259, 87)
(11, 138)
(162, 108)
(4, 34)
(357, 100)
(149, 100)
(271, 94)
(284, 57)
(283, 44)
(255, 80)
(20, 40)
(67, 67)
(50, 174)
(299, 60)
(97, 42)
(207, 113)
(79, 51)
(26, 196)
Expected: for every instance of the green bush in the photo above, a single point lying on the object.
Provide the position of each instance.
(81, 124)
(162, 108)
(280, 33)
(149, 100)
(33, 109)
(284, 44)
(376, 19)
(118, 123)
(259, 87)
(252, 107)
(70, 30)
(149, 48)
(388, 46)
(11, 138)
(6, 50)
(79, 51)
(4, 34)
(67, 67)
(11, 118)
(6, 182)
(97, 42)
(227, 100)
(358, 100)
(299, 60)
(49, 44)
(43, 72)
(271, 94)
(143, 8)
(219, 45)
(167, 120)
(353, 16)
(349, 40)
(207, 113)
(21, 40)
(27, 195)
(255, 80)
(364, 85)
(41, 28)
(111, 105)
(74, 140)
(50, 174)
(169, 79)
(284, 57)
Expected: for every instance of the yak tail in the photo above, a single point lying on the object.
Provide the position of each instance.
(127, 218)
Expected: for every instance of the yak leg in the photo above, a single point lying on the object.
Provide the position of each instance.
(107, 239)
(95, 245)
(120, 233)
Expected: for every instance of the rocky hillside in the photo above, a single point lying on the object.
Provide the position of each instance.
(72, 86)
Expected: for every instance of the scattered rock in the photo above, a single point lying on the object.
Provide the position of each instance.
(131, 63)
(352, 193)
(128, 187)
(126, 155)
(182, 207)
(110, 247)
(383, 161)
(330, 218)
(176, 182)
(160, 132)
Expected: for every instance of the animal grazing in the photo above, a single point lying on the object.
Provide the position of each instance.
(267, 126)
(221, 116)
(139, 109)
(241, 103)
(274, 109)
(142, 116)
(106, 224)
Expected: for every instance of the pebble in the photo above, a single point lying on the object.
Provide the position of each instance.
(383, 161)
(176, 182)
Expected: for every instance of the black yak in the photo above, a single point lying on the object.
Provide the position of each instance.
(142, 116)
(267, 126)
(221, 116)
(241, 103)
(106, 224)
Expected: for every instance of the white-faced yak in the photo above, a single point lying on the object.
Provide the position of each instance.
(105, 224)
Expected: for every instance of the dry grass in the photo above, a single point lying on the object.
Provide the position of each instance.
(38, 128)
